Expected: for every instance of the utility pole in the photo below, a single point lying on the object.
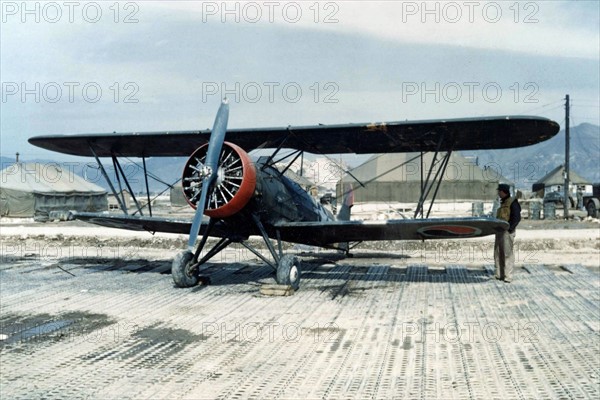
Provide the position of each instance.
(567, 140)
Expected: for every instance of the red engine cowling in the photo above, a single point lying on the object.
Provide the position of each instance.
(233, 188)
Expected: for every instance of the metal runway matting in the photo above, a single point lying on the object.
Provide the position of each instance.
(102, 328)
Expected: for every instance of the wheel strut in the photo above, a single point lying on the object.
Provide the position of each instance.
(265, 237)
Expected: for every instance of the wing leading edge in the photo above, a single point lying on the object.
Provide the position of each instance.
(149, 224)
(396, 137)
(323, 233)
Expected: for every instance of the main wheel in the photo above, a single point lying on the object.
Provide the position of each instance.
(288, 271)
(183, 275)
(591, 209)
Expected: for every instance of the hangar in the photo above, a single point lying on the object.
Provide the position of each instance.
(397, 177)
(34, 190)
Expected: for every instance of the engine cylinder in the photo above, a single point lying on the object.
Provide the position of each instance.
(233, 188)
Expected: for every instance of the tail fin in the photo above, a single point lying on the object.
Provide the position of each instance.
(348, 194)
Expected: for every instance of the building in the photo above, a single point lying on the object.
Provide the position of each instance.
(554, 181)
(176, 196)
(113, 202)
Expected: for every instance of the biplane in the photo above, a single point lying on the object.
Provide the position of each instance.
(236, 197)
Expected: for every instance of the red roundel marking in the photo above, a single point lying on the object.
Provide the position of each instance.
(458, 229)
(449, 231)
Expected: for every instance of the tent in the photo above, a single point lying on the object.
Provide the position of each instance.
(396, 177)
(35, 190)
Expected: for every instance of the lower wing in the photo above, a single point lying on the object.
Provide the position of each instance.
(149, 224)
(321, 233)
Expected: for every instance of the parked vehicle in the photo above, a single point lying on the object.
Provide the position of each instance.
(592, 203)
(558, 198)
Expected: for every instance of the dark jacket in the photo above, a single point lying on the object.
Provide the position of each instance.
(515, 216)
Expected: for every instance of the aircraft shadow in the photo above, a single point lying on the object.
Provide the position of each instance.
(316, 267)
(353, 255)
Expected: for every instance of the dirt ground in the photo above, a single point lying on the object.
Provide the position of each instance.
(555, 242)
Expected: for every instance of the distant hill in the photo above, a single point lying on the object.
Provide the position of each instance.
(6, 161)
(525, 165)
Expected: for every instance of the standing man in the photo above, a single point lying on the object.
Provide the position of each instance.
(509, 211)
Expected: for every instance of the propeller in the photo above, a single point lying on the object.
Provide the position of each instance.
(209, 172)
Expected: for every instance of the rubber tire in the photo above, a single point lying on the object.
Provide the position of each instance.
(179, 270)
(288, 271)
(591, 209)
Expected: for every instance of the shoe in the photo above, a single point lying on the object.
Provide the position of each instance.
(507, 280)
(498, 278)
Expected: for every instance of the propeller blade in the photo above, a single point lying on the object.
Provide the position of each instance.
(215, 144)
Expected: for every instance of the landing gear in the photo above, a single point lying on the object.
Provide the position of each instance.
(185, 267)
(288, 271)
(183, 270)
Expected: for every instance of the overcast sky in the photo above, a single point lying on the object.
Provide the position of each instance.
(85, 67)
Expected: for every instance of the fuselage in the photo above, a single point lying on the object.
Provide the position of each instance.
(279, 199)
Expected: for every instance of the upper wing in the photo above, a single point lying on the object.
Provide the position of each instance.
(322, 233)
(385, 137)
